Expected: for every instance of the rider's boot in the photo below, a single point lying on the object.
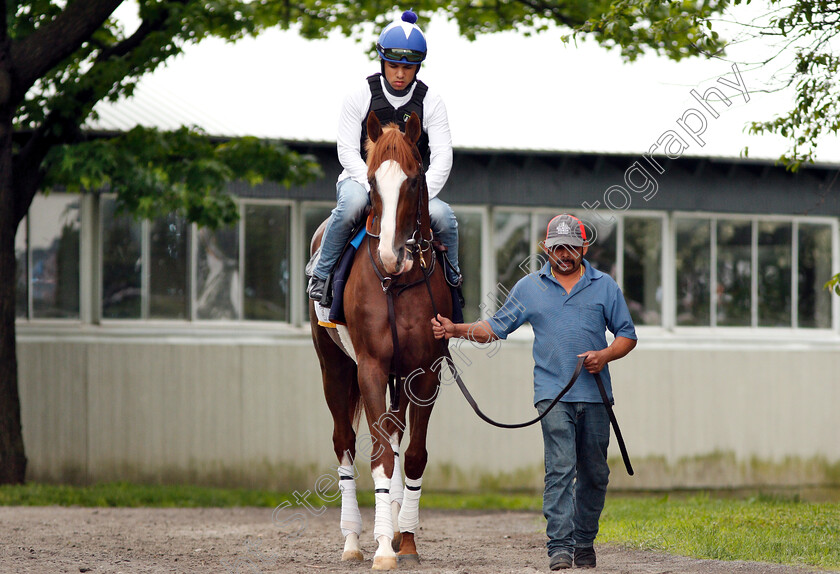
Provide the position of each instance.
(318, 290)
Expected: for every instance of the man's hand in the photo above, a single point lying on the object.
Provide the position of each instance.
(443, 327)
(595, 360)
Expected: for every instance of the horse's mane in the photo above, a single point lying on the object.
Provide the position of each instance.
(390, 145)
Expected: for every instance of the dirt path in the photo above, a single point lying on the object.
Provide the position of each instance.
(51, 540)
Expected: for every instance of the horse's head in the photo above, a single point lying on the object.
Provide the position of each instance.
(397, 189)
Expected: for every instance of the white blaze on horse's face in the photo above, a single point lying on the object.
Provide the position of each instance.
(389, 180)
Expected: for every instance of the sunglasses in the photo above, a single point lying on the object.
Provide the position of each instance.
(398, 54)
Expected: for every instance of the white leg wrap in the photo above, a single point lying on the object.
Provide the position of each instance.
(410, 512)
(351, 518)
(383, 523)
(396, 478)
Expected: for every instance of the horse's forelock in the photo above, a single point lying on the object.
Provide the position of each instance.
(391, 145)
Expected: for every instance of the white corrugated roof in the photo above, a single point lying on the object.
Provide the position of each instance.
(570, 98)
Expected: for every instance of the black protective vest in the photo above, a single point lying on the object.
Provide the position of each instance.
(387, 114)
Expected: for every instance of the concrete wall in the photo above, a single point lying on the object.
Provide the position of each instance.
(229, 408)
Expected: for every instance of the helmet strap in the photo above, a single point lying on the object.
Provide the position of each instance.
(391, 90)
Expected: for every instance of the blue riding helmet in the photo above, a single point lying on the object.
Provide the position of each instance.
(402, 41)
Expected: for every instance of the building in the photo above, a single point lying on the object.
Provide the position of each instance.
(154, 351)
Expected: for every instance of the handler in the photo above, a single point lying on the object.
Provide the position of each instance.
(570, 305)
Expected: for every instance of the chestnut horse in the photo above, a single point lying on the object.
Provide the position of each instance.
(394, 261)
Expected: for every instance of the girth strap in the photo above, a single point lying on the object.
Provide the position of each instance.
(394, 380)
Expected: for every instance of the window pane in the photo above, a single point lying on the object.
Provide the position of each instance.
(814, 270)
(602, 245)
(774, 268)
(469, 257)
(21, 280)
(540, 257)
(54, 241)
(313, 216)
(734, 268)
(217, 274)
(121, 264)
(512, 236)
(693, 271)
(168, 257)
(642, 269)
(267, 265)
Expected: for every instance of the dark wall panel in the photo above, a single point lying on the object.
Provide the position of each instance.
(533, 179)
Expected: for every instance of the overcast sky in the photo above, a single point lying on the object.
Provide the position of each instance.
(501, 91)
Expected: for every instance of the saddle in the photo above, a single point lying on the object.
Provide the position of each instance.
(331, 312)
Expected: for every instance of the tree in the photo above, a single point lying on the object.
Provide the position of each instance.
(59, 58)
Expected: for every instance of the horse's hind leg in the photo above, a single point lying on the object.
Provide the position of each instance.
(341, 390)
(422, 391)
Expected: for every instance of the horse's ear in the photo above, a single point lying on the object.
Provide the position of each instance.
(412, 129)
(374, 128)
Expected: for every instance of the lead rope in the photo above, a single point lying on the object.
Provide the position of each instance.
(578, 368)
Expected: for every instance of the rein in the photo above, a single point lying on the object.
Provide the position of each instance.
(394, 379)
(578, 368)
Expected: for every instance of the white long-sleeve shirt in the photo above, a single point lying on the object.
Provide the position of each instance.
(435, 123)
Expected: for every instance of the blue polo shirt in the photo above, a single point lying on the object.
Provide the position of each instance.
(566, 325)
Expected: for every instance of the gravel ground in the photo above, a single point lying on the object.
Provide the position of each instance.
(51, 540)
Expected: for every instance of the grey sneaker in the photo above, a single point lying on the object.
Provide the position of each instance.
(560, 561)
(585, 557)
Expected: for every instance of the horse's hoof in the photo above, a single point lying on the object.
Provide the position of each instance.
(396, 541)
(408, 559)
(384, 563)
(352, 556)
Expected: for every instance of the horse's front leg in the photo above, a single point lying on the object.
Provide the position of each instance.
(422, 391)
(394, 427)
(372, 383)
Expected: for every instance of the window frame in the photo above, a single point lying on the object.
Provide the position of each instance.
(91, 267)
(485, 279)
(754, 220)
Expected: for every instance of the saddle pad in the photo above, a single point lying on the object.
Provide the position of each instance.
(323, 314)
(340, 275)
(343, 341)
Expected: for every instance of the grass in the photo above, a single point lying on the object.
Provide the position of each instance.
(120, 494)
(759, 528)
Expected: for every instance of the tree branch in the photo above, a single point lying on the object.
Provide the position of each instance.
(146, 27)
(36, 54)
(549, 10)
(28, 174)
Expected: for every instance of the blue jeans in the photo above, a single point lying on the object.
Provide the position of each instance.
(351, 200)
(575, 436)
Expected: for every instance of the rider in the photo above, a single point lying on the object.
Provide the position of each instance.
(393, 94)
